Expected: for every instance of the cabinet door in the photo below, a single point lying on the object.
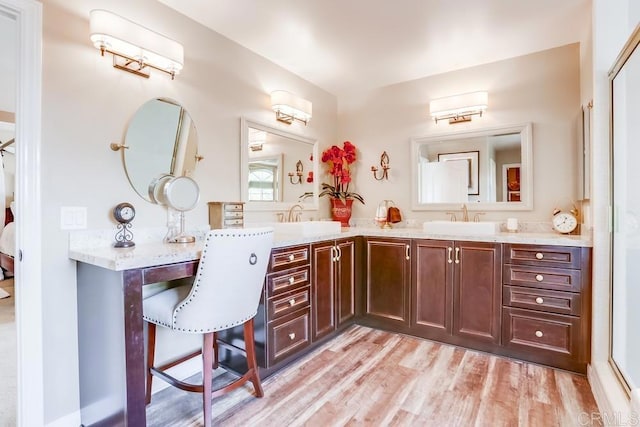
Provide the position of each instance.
(322, 290)
(345, 281)
(432, 288)
(477, 291)
(387, 281)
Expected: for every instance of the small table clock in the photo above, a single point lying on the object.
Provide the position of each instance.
(124, 213)
(565, 222)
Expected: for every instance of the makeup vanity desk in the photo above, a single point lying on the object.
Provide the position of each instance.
(111, 337)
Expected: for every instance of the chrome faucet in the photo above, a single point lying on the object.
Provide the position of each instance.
(465, 214)
(296, 218)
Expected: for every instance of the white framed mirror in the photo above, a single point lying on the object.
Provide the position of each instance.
(276, 168)
(488, 169)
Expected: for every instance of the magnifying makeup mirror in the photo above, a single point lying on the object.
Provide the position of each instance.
(181, 194)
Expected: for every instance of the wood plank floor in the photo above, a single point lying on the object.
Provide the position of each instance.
(367, 377)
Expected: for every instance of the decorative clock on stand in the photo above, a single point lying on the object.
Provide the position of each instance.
(566, 222)
(124, 214)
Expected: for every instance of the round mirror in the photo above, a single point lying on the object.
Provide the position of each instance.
(161, 140)
(181, 193)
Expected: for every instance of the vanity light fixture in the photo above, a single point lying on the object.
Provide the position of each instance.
(134, 48)
(384, 163)
(299, 172)
(459, 108)
(289, 107)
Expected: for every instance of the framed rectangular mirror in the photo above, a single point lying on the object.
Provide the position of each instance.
(276, 168)
(487, 169)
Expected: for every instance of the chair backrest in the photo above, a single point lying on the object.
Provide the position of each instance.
(228, 284)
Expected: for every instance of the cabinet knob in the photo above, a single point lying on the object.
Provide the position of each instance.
(292, 302)
(292, 336)
(291, 280)
(292, 257)
(539, 277)
(539, 334)
(539, 255)
(539, 300)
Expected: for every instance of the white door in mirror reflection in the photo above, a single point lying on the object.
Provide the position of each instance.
(444, 182)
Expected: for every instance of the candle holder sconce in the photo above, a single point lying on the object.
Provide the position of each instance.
(384, 163)
(298, 173)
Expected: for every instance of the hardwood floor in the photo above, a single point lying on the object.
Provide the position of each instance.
(367, 377)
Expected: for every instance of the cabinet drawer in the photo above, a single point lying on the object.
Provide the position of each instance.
(285, 281)
(233, 222)
(541, 277)
(288, 335)
(541, 332)
(544, 256)
(283, 258)
(541, 299)
(233, 214)
(232, 207)
(288, 303)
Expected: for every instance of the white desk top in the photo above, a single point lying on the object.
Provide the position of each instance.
(96, 246)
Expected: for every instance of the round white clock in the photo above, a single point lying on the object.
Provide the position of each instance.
(564, 222)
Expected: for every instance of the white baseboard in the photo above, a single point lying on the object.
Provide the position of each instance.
(72, 419)
(611, 398)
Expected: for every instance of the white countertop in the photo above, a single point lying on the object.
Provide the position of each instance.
(96, 247)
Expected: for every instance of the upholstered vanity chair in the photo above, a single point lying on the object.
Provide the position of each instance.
(225, 293)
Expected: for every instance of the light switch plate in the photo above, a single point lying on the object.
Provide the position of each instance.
(73, 217)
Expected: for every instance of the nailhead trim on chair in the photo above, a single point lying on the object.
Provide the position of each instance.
(195, 290)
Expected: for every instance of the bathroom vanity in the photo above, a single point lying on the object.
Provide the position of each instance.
(526, 296)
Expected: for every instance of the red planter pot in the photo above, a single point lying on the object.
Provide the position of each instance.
(341, 211)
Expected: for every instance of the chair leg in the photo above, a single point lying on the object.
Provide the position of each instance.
(251, 357)
(215, 350)
(151, 351)
(207, 376)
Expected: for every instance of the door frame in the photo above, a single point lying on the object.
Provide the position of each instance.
(28, 269)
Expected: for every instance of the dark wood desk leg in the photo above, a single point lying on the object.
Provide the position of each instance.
(134, 346)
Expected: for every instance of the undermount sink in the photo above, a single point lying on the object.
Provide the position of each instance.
(307, 228)
(461, 228)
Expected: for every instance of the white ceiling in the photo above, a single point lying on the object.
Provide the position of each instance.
(355, 45)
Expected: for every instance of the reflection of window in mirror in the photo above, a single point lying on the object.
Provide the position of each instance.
(263, 180)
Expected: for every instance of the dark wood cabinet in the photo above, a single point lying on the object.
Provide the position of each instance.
(547, 305)
(477, 291)
(456, 291)
(432, 289)
(333, 283)
(387, 272)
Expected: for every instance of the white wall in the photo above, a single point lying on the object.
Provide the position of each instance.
(542, 88)
(7, 64)
(86, 106)
(613, 23)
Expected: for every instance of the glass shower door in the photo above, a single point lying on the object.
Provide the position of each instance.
(625, 339)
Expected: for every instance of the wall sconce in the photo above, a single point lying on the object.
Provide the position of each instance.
(459, 108)
(134, 48)
(384, 163)
(289, 107)
(299, 172)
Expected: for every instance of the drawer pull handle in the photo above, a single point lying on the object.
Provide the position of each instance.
(449, 250)
(457, 260)
(292, 257)
(292, 336)
(539, 255)
(539, 334)
(539, 277)
(539, 300)
(292, 302)
(291, 280)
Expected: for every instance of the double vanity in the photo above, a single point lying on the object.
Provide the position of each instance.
(521, 295)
